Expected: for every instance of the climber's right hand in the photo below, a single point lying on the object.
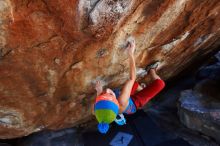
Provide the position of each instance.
(131, 48)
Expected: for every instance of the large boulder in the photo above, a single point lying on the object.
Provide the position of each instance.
(199, 108)
(51, 52)
(201, 114)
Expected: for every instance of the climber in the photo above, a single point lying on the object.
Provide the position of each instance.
(110, 103)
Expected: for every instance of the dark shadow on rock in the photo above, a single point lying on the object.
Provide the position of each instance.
(163, 109)
(65, 137)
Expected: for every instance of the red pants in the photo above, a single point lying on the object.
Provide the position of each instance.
(142, 97)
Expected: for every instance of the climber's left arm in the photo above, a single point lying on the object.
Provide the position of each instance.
(98, 88)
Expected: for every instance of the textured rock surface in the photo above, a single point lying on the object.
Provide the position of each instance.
(52, 51)
(199, 109)
(200, 114)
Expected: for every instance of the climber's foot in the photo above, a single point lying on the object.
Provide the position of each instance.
(153, 66)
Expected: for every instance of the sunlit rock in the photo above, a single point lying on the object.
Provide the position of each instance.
(52, 52)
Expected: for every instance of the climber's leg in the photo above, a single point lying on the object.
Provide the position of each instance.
(153, 74)
(142, 97)
(134, 87)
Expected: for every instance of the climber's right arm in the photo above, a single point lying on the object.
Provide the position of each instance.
(131, 49)
(126, 90)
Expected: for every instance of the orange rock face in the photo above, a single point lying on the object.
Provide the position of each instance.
(51, 52)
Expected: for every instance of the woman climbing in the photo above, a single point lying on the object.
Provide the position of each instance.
(110, 103)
